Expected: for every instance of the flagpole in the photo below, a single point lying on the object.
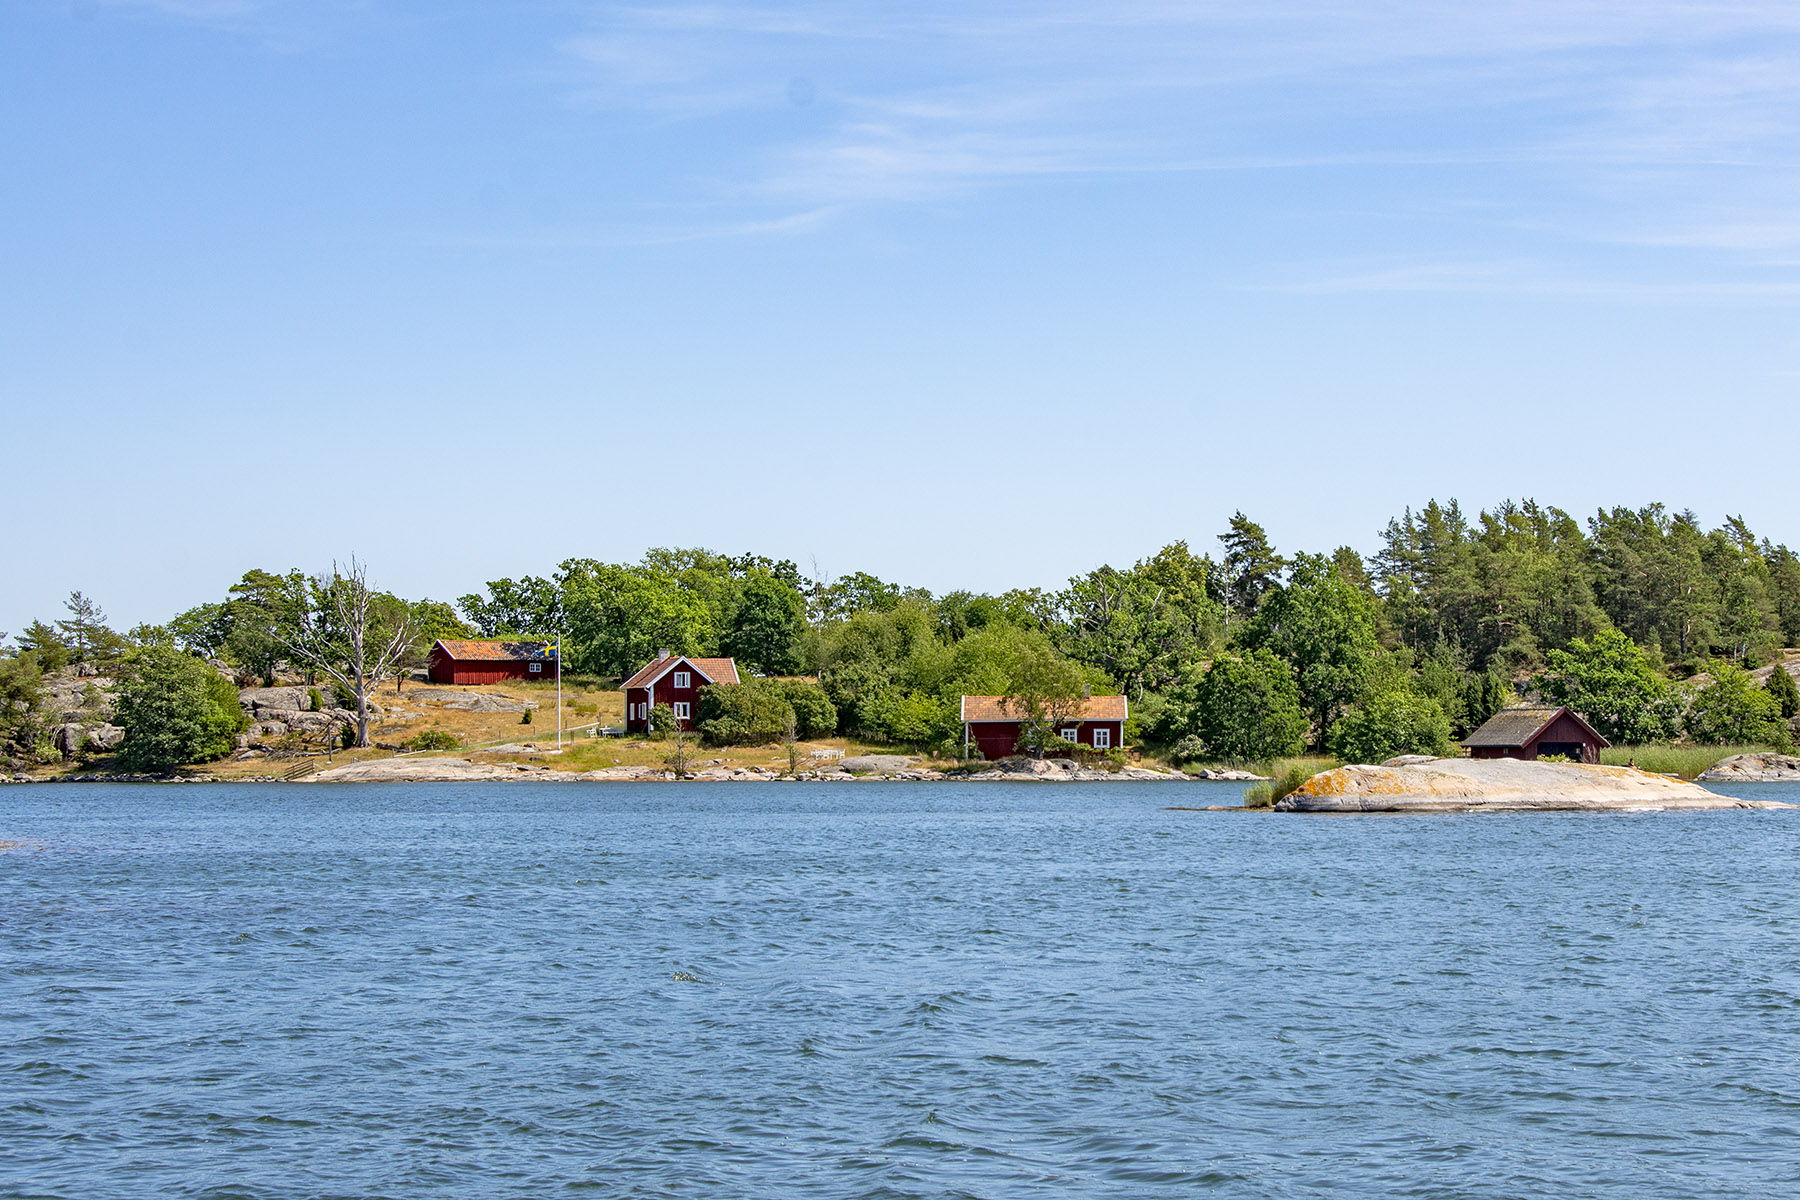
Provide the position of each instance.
(559, 706)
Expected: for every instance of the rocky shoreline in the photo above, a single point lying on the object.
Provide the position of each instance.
(1467, 785)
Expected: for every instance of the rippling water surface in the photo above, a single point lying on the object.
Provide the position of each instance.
(886, 990)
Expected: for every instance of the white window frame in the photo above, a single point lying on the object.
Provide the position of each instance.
(1103, 739)
(681, 710)
(535, 668)
(683, 680)
(1071, 733)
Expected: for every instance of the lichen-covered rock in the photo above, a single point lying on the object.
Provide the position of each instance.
(1754, 768)
(1501, 785)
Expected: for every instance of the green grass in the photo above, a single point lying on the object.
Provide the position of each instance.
(1284, 776)
(1666, 759)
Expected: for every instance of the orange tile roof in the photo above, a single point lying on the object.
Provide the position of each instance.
(718, 670)
(471, 650)
(1094, 708)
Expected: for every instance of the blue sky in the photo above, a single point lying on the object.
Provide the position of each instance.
(962, 295)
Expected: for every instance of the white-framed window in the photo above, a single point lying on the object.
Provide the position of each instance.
(1068, 735)
(1102, 739)
(683, 679)
(534, 668)
(681, 710)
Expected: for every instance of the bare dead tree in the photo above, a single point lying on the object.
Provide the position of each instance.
(339, 636)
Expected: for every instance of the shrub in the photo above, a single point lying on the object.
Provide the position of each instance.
(525, 717)
(1784, 692)
(815, 716)
(315, 701)
(752, 713)
(1188, 749)
(1248, 709)
(433, 739)
(175, 710)
(1396, 722)
(1733, 709)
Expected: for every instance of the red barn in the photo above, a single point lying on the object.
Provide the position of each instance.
(988, 726)
(675, 680)
(1536, 732)
(460, 660)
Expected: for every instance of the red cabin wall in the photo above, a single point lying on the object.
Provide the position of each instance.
(996, 739)
(444, 669)
(664, 691)
(1564, 729)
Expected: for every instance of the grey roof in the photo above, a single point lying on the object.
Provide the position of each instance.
(1516, 726)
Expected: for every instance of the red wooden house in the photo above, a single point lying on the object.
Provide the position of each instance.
(989, 727)
(463, 660)
(1536, 732)
(675, 680)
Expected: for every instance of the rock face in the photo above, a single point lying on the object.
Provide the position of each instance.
(1754, 768)
(876, 762)
(1501, 785)
(475, 702)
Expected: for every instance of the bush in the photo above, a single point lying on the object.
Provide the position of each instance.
(815, 716)
(1397, 722)
(176, 710)
(1733, 709)
(1784, 692)
(433, 739)
(315, 702)
(1188, 749)
(752, 713)
(1248, 709)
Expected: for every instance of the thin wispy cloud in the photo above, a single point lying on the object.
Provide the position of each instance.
(1630, 106)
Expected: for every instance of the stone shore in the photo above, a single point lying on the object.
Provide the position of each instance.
(1502, 785)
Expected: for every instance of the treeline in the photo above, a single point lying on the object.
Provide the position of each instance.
(1241, 653)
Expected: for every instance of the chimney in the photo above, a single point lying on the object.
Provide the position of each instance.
(661, 655)
(1087, 691)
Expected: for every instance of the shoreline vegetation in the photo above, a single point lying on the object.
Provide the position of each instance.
(1670, 639)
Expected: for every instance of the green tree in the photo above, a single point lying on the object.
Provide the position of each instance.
(769, 616)
(1782, 690)
(262, 617)
(87, 633)
(201, 630)
(1247, 709)
(1608, 680)
(24, 722)
(814, 714)
(45, 645)
(175, 709)
(752, 713)
(1733, 709)
(1325, 628)
(1046, 692)
(1251, 568)
(1388, 723)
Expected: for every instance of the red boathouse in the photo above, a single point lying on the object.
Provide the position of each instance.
(1536, 732)
(463, 660)
(675, 680)
(990, 728)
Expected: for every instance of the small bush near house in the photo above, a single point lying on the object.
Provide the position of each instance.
(752, 713)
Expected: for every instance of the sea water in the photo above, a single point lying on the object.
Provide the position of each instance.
(886, 990)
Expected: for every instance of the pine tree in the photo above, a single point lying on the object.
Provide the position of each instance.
(1786, 694)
